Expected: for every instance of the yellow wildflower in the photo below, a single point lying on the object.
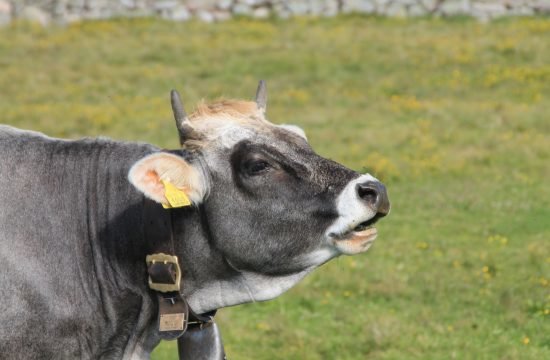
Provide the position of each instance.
(422, 245)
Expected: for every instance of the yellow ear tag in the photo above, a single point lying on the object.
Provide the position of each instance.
(176, 197)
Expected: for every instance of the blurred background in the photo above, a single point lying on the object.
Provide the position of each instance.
(447, 102)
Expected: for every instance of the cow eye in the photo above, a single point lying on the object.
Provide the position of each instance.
(256, 167)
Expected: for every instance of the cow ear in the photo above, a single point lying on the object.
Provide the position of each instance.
(161, 176)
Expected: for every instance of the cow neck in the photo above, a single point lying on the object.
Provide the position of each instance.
(174, 315)
(158, 229)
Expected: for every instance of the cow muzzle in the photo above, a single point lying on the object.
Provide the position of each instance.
(361, 204)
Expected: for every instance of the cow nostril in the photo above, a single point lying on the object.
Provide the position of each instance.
(368, 193)
(374, 194)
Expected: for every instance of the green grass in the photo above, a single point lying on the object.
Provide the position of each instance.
(453, 115)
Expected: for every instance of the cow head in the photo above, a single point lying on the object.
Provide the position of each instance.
(273, 207)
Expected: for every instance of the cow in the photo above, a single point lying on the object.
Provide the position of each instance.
(246, 206)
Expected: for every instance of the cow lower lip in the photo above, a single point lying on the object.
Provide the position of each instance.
(364, 228)
(358, 233)
(366, 234)
(355, 242)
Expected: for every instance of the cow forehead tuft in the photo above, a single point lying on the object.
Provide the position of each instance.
(223, 123)
(227, 107)
(228, 120)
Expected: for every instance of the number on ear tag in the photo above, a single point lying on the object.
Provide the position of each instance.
(176, 197)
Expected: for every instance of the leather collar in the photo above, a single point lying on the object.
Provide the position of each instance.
(165, 276)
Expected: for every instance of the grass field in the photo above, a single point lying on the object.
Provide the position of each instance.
(454, 116)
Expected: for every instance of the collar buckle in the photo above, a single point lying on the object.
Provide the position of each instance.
(164, 272)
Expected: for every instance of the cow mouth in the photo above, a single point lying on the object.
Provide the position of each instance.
(365, 227)
(358, 239)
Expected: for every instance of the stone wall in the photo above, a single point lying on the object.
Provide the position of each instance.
(67, 11)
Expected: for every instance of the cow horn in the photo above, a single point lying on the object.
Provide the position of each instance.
(261, 96)
(179, 113)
